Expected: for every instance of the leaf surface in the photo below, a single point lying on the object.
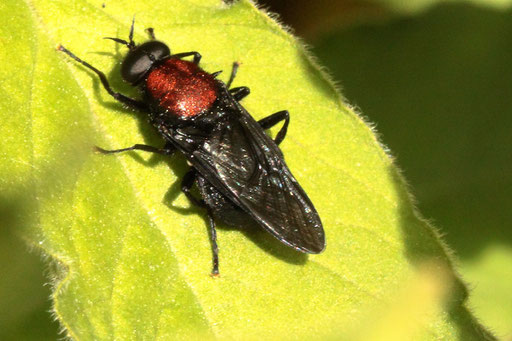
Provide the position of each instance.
(130, 266)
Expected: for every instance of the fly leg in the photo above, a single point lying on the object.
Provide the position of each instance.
(168, 149)
(186, 185)
(267, 122)
(197, 56)
(238, 92)
(215, 248)
(151, 33)
(270, 121)
(234, 70)
(132, 103)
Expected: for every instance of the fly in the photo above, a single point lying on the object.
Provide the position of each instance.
(239, 170)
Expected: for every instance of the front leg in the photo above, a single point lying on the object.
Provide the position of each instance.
(151, 32)
(133, 103)
(197, 56)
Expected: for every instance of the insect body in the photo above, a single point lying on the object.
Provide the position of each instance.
(239, 170)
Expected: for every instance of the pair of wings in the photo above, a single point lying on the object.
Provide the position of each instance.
(241, 161)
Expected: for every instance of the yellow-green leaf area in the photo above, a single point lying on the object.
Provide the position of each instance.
(134, 256)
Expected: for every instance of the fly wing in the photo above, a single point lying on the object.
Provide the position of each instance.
(244, 164)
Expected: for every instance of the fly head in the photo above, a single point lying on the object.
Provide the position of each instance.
(141, 59)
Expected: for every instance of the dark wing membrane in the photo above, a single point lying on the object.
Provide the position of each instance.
(242, 162)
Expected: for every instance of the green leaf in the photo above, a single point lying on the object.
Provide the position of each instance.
(131, 267)
(437, 85)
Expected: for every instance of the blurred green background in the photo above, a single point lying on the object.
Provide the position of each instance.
(435, 78)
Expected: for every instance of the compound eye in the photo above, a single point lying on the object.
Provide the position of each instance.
(158, 49)
(138, 62)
